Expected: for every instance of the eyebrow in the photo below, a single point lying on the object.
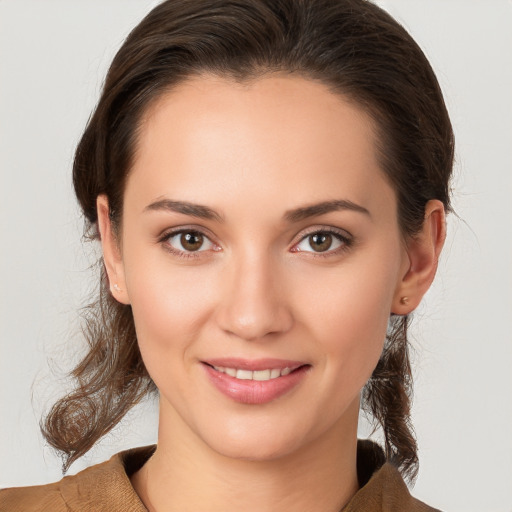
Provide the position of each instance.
(314, 210)
(186, 208)
(291, 216)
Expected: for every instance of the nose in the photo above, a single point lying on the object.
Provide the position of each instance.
(254, 301)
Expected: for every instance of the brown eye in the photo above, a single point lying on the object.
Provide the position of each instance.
(327, 241)
(191, 241)
(188, 241)
(320, 242)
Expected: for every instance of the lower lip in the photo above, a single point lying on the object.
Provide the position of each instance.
(255, 391)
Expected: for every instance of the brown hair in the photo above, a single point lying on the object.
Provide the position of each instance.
(353, 47)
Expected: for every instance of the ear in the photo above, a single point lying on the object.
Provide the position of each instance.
(423, 250)
(112, 257)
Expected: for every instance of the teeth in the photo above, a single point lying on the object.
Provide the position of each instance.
(260, 375)
(230, 371)
(244, 374)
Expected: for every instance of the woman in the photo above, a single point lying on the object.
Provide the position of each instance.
(269, 183)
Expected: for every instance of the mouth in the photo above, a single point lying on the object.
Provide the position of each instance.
(260, 375)
(255, 382)
(254, 369)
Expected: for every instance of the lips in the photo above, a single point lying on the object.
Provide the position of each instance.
(257, 381)
(261, 375)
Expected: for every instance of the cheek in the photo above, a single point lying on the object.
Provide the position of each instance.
(169, 303)
(169, 308)
(348, 314)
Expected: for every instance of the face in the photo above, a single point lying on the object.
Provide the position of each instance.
(261, 255)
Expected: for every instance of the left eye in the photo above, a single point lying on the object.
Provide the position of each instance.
(189, 241)
(321, 241)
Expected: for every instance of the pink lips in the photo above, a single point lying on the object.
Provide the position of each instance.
(248, 391)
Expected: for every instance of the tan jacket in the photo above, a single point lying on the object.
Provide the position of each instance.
(106, 487)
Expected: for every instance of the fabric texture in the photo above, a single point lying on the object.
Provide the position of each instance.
(106, 487)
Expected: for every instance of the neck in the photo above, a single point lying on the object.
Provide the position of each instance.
(189, 476)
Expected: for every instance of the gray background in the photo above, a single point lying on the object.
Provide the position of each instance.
(53, 56)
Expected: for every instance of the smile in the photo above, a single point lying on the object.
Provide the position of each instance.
(260, 375)
(255, 382)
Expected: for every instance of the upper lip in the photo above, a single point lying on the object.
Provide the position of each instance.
(254, 364)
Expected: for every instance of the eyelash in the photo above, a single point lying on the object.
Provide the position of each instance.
(164, 240)
(345, 239)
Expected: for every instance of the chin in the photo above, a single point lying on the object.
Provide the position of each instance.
(255, 442)
(253, 452)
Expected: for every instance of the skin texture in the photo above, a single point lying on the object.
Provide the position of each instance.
(257, 287)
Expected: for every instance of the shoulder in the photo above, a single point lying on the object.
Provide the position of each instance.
(382, 486)
(35, 498)
(105, 486)
(387, 483)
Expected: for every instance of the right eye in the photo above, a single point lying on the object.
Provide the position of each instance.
(188, 241)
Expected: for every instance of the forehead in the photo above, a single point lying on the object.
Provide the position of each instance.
(211, 135)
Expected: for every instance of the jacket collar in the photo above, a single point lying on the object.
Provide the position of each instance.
(107, 486)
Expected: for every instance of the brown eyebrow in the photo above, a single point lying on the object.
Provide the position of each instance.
(295, 215)
(313, 210)
(186, 208)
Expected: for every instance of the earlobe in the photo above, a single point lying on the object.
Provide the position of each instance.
(111, 251)
(423, 251)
